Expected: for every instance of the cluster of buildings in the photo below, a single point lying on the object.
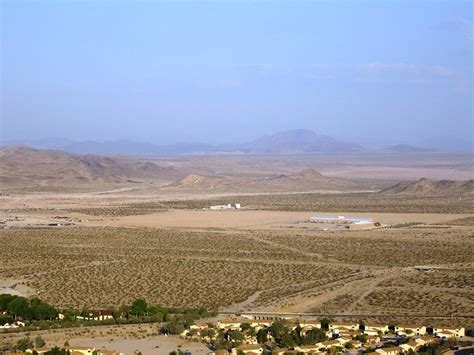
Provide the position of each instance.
(12, 324)
(344, 222)
(384, 339)
(93, 315)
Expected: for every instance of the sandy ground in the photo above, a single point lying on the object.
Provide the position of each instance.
(260, 219)
(16, 288)
(154, 345)
(116, 197)
(230, 219)
(124, 339)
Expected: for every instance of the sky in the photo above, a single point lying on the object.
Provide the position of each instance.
(376, 72)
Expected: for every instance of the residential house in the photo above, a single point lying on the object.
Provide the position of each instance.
(249, 349)
(331, 343)
(410, 345)
(373, 339)
(220, 352)
(39, 351)
(410, 330)
(394, 350)
(425, 339)
(81, 350)
(370, 329)
(449, 333)
(308, 348)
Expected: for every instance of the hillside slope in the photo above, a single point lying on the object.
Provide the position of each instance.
(18, 163)
(427, 187)
(306, 180)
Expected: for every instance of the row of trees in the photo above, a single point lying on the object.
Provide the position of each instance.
(39, 314)
(35, 309)
(27, 309)
(280, 331)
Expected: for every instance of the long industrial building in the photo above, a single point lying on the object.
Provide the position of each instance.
(340, 219)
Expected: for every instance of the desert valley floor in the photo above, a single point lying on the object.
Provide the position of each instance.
(161, 242)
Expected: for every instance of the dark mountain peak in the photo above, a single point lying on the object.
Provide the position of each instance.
(297, 141)
(296, 134)
(406, 148)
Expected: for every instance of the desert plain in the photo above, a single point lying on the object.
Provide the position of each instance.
(95, 238)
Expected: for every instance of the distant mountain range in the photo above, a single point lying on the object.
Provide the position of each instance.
(299, 141)
(49, 169)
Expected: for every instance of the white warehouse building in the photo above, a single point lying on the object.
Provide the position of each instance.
(340, 219)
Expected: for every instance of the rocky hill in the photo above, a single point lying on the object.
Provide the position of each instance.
(19, 163)
(427, 187)
(306, 180)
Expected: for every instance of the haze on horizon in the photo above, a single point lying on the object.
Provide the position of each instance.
(217, 72)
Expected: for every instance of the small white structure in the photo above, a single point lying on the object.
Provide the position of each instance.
(230, 206)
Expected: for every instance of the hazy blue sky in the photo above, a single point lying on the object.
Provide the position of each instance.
(375, 71)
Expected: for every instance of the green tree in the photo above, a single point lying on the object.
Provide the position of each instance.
(57, 351)
(245, 327)
(325, 323)
(299, 334)
(24, 344)
(19, 307)
(236, 337)
(208, 332)
(39, 342)
(139, 307)
(279, 328)
(124, 311)
(175, 327)
(289, 339)
(314, 336)
(221, 340)
(43, 311)
(5, 300)
(362, 338)
(158, 317)
(262, 336)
